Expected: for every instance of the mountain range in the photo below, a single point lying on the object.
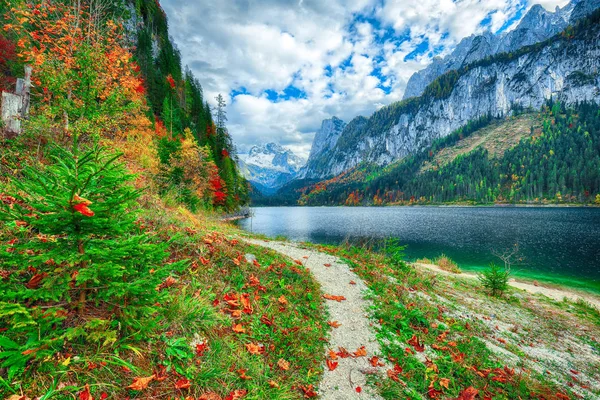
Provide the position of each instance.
(543, 58)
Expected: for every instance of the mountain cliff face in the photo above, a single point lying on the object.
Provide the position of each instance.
(564, 67)
(324, 141)
(536, 26)
(269, 166)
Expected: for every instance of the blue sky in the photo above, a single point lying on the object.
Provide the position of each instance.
(285, 65)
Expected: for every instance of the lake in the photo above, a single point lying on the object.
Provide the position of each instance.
(555, 243)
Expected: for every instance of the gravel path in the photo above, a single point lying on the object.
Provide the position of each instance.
(355, 330)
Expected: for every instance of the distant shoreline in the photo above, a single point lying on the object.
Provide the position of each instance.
(444, 206)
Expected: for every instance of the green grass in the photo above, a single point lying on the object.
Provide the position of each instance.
(198, 313)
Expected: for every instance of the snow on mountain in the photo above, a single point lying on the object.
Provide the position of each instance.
(269, 166)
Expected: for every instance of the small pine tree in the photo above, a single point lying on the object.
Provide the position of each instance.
(495, 279)
(74, 247)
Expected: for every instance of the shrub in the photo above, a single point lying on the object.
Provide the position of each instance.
(494, 279)
(445, 263)
(394, 253)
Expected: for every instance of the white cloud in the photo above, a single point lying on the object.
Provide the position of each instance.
(332, 50)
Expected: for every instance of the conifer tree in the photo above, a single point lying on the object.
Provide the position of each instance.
(73, 245)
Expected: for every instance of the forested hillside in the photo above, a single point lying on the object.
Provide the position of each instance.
(116, 279)
(557, 163)
(118, 74)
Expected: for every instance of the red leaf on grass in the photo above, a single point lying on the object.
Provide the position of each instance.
(245, 299)
(236, 394)
(201, 348)
(414, 342)
(468, 394)
(85, 393)
(255, 348)
(265, 320)
(242, 374)
(183, 383)
(283, 364)
(308, 391)
(141, 383)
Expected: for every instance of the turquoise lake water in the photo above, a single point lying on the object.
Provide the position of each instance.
(556, 244)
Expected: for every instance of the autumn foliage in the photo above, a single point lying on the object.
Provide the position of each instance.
(84, 77)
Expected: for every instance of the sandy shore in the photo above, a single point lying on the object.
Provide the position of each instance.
(557, 294)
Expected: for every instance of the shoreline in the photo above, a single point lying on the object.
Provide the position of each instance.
(441, 205)
(554, 293)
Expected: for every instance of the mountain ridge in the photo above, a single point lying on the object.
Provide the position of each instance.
(564, 66)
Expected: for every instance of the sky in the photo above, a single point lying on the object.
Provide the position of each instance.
(285, 65)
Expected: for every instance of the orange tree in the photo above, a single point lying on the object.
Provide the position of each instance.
(83, 74)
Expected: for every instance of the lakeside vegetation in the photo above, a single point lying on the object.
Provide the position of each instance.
(446, 337)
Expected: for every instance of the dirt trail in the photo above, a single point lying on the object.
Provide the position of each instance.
(355, 330)
(553, 293)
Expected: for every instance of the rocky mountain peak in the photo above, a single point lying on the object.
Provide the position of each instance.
(269, 166)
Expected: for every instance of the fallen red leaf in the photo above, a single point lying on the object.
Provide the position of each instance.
(468, 394)
(332, 365)
(375, 362)
(141, 383)
(284, 365)
(308, 391)
(85, 393)
(238, 328)
(358, 389)
(445, 383)
(245, 299)
(334, 298)
(343, 353)
(432, 392)
(352, 283)
(183, 383)
(360, 352)
(327, 265)
(255, 348)
(231, 299)
(242, 374)
(334, 324)
(201, 348)
(265, 320)
(414, 342)
(236, 394)
(393, 373)
(282, 300)
(36, 280)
